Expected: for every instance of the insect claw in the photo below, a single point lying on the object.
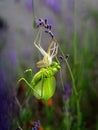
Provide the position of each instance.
(28, 70)
(20, 80)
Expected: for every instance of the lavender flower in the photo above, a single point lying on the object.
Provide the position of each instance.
(40, 22)
(44, 23)
(36, 125)
(67, 91)
(55, 5)
(29, 4)
(62, 58)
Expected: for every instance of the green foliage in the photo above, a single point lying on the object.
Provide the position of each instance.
(26, 115)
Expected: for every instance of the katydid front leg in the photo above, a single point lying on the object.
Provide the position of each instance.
(28, 84)
(28, 75)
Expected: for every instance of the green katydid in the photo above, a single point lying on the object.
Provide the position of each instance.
(43, 83)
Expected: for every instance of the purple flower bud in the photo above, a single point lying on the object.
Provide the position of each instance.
(39, 22)
(46, 21)
(67, 56)
(36, 125)
(61, 57)
(46, 31)
(38, 122)
(51, 34)
(67, 88)
(40, 19)
(49, 26)
(67, 91)
(34, 128)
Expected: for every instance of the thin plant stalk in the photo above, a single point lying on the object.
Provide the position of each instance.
(75, 36)
(74, 90)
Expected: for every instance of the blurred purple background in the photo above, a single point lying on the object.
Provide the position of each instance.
(17, 51)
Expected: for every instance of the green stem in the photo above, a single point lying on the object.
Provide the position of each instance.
(79, 114)
(75, 91)
(70, 71)
(75, 35)
(75, 60)
(76, 95)
(68, 116)
(71, 74)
